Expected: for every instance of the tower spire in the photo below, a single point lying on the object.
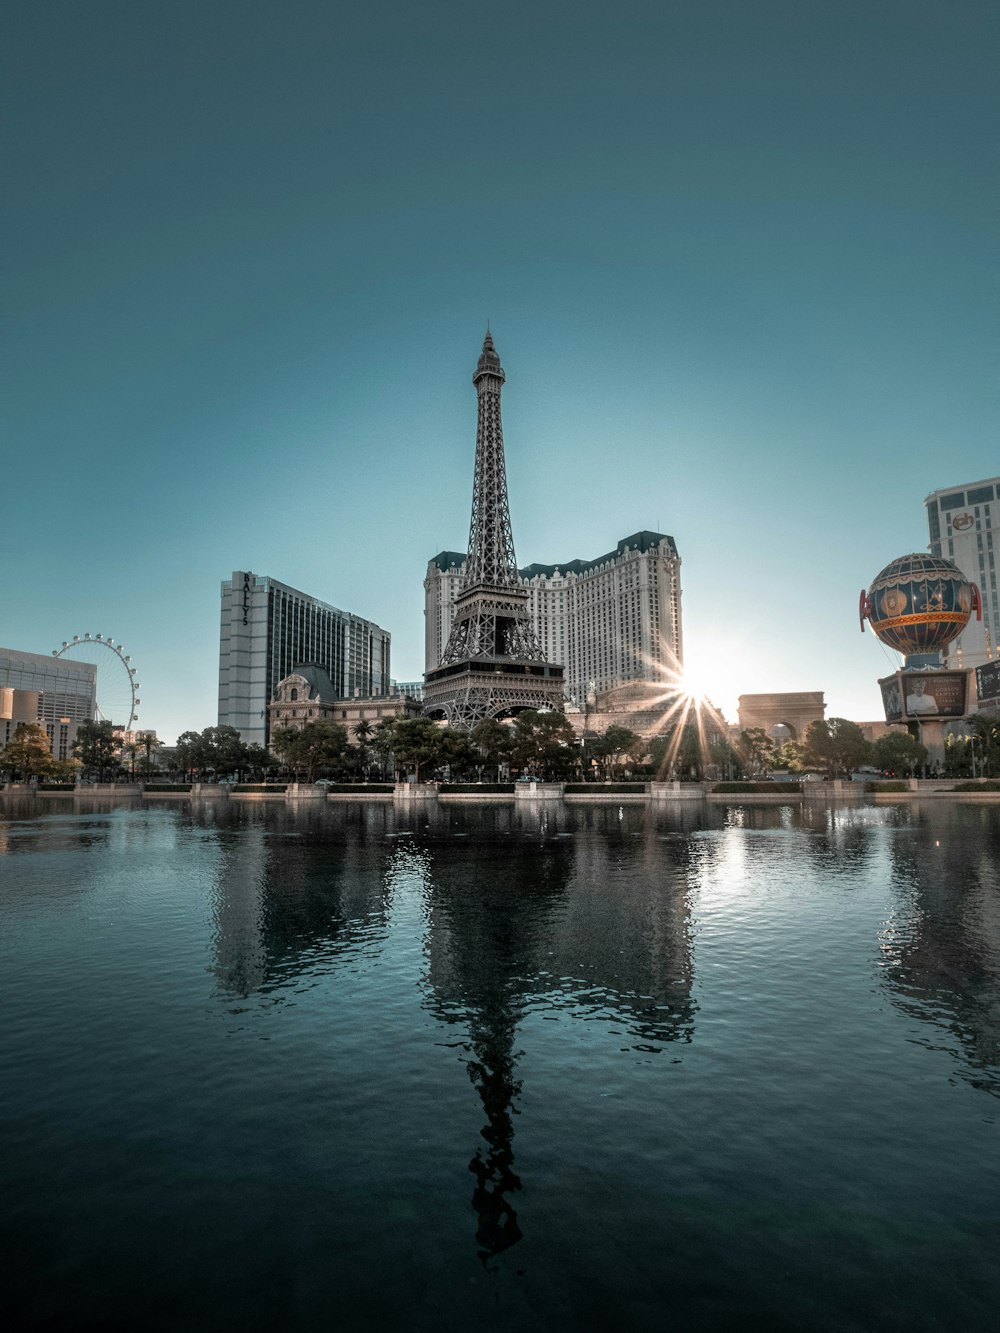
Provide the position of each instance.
(492, 664)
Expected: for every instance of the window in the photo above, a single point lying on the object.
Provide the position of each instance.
(981, 495)
(954, 501)
(293, 694)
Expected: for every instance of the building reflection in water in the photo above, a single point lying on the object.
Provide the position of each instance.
(583, 911)
(941, 945)
(596, 925)
(294, 884)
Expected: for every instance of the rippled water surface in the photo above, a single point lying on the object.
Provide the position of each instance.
(562, 1068)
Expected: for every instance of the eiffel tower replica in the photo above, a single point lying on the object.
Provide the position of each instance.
(492, 665)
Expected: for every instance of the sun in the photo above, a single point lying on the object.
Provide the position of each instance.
(688, 719)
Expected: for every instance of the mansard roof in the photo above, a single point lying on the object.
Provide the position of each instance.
(449, 561)
(317, 678)
(639, 541)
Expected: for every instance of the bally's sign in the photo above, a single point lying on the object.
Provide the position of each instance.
(246, 598)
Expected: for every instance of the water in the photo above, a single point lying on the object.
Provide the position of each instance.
(569, 1068)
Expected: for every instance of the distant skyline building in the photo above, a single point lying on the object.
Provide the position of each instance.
(268, 628)
(607, 621)
(55, 692)
(492, 664)
(962, 523)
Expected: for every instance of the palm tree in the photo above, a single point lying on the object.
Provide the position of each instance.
(383, 740)
(985, 742)
(362, 732)
(149, 743)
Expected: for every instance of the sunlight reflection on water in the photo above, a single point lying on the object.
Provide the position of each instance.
(470, 1065)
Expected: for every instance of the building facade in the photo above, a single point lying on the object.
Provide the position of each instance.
(268, 628)
(606, 621)
(54, 692)
(307, 695)
(962, 524)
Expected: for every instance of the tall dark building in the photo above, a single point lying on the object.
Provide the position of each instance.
(268, 629)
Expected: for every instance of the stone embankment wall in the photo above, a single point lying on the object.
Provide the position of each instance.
(515, 792)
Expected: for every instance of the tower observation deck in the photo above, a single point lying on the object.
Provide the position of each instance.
(492, 665)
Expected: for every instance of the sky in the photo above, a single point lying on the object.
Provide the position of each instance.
(739, 262)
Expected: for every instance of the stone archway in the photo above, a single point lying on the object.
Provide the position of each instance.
(794, 711)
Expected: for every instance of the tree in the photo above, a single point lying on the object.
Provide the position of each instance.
(257, 760)
(459, 752)
(222, 750)
(28, 753)
(544, 743)
(898, 752)
(722, 757)
(790, 755)
(95, 747)
(191, 753)
(417, 743)
(308, 750)
(680, 752)
(758, 750)
(149, 743)
(362, 733)
(984, 744)
(383, 738)
(837, 746)
(494, 742)
(691, 753)
(659, 752)
(131, 749)
(619, 742)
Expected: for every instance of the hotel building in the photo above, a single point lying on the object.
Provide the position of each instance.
(268, 629)
(606, 621)
(963, 523)
(54, 692)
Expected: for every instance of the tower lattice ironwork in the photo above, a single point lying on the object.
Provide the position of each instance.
(492, 665)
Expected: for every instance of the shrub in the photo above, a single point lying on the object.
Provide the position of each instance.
(359, 788)
(886, 786)
(477, 788)
(758, 788)
(605, 788)
(989, 784)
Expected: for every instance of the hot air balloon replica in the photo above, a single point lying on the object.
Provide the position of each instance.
(918, 605)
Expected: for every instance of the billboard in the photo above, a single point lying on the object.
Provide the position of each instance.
(928, 694)
(892, 699)
(988, 680)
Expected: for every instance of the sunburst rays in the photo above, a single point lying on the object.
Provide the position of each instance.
(682, 704)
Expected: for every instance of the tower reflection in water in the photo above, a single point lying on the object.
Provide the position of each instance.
(588, 924)
(576, 911)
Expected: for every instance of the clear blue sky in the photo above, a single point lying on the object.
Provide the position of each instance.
(739, 261)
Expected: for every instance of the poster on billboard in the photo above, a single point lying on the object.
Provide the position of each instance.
(988, 680)
(892, 699)
(933, 693)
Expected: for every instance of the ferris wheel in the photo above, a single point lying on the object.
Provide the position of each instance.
(117, 687)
